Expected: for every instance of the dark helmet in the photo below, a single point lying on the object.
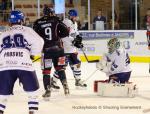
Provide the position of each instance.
(16, 16)
(73, 12)
(47, 10)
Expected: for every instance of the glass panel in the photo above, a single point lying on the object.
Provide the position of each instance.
(29, 10)
(5, 7)
(101, 14)
(82, 8)
(144, 11)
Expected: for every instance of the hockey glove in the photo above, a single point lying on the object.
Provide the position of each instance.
(32, 57)
(78, 45)
(77, 42)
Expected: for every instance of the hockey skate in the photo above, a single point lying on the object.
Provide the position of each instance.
(79, 84)
(47, 93)
(66, 88)
(54, 85)
(31, 112)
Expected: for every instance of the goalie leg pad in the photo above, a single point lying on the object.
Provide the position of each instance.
(116, 90)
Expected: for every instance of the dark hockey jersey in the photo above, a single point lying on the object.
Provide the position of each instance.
(51, 29)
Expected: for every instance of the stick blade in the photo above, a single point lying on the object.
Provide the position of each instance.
(93, 61)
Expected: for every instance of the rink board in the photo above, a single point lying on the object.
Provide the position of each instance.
(134, 41)
(133, 58)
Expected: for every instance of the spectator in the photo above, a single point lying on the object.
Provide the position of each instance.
(4, 5)
(27, 22)
(116, 21)
(85, 25)
(146, 20)
(3, 9)
(99, 21)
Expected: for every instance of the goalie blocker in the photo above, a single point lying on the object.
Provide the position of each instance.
(105, 89)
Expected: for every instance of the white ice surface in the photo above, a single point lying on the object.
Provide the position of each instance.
(59, 104)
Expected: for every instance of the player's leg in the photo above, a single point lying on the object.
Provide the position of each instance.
(7, 81)
(125, 77)
(55, 77)
(75, 65)
(120, 77)
(30, 85)
(59, 64)
(113, 79)
(46, 65)
(54, 80)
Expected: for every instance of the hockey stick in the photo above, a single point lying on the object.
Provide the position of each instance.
(92, 74)
(93, 61)
(36, 59)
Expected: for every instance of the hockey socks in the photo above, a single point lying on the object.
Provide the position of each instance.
(62, 77)
(33, 103)
(46, 81)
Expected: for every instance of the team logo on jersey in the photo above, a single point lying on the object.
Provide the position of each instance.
(126, 44)
(17, 41)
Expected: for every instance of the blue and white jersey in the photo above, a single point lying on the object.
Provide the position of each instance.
(73, 32)
(17, 43)
(117, 62)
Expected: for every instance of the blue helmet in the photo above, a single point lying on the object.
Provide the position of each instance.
(73, 12)
(16, 16)
(47, 10)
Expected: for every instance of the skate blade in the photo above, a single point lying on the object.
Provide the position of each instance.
(46, 98)
(67, 95)
(66, 92)
(81, 88)
(54, 90)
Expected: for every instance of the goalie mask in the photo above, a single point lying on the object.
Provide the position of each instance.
(113, 44)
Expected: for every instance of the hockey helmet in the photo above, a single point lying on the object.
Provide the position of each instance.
(47, 10)
(113, 44)
(73, 12)
(16, 16)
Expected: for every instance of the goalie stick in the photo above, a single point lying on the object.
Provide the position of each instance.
(93, 61)
(91, 75)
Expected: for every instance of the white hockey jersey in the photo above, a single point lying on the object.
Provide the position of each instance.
(117, 62)
(17, 43)
(67, 41)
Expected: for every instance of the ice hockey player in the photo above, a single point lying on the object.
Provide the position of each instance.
(115, 63)
(17, 44)
(51, 29)
(71, 43)
(148, 38)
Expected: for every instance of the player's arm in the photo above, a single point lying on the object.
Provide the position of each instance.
(36, 27)
(36, 43)
(104, 64)
(62, 30)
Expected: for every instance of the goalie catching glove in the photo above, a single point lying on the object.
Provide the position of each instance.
(77, 42)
